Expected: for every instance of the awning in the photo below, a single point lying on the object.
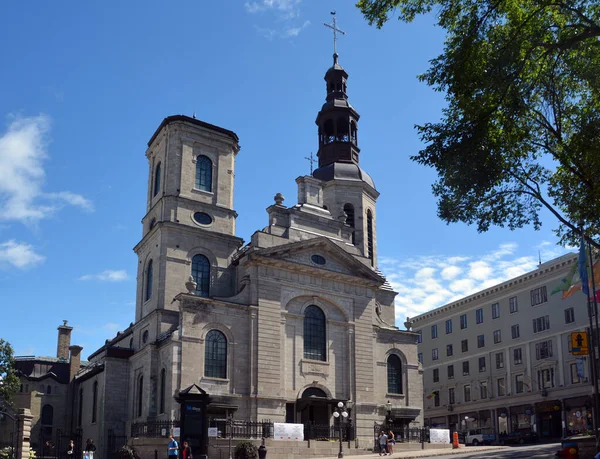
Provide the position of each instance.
(406, 412)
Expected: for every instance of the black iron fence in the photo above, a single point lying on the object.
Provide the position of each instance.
(327, 432)
(237, 428)
(115, 442)
(153, 429)
(402, 434)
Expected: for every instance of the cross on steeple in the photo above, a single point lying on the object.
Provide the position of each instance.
(312, 160)
(335, 31)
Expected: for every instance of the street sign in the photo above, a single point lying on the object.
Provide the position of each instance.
(579, 343)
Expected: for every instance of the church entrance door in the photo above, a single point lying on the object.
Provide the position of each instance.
(314, 407)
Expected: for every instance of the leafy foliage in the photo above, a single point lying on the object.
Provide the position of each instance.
(9, 383)
(521, 130)
(246, 450)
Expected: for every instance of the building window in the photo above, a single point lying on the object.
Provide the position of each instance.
(436, 375)
(514, 331)
(519, 384)
(497, 337)
(539, 296)
(203, 173)
(163, 383)
(483, 389)
(145, 335)
(576, 373)
(436, 398)
(451, 396)
(479, 316)
(349, 211)
(481, 364)
(543, 350)
(420, 357)
(499, 360)
(47, 419)
(513, 304)
(420, 336)
(464, 345)
(49, 390)
(465, 366)
(80, 408)
(541, 324)
(149, 277)
(394, 374)
(156, 180)
(449, 350)
(450, 371)
(434, 354)
(501, 387)
(518, 356)
(433, 331)
(480, 341)
(215, 355)
(467, 392)
(569, 316)
(370, 235)
(315, 334)
(546, 378)
(140, 396)
(495, 310)
(94, 401)
(448, 326)
(201, 275)
(463, 321)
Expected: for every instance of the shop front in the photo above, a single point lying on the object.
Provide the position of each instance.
(502, 422)
(453, 424)
(578, 414)
(521, 418)
(549, 419)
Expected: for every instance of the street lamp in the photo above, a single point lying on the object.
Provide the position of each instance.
(340, 414)
(389, 411)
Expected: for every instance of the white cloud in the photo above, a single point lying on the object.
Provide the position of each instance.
(23, 150)
(282, 6)
(295, 31)
(19, 255)
(427, 282)
(284, 13)
(109, 275)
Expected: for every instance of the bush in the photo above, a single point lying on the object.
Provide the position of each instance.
(246, 450)
(6, 453)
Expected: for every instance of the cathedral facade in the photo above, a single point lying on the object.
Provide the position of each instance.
(281, 328)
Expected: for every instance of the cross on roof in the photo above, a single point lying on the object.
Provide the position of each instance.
(312, 160)
(335, 31)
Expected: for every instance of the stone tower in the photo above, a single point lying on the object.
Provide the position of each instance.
(349, 192)
(189, 226)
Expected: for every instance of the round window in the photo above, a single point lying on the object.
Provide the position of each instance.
(145, 337)
(318, 260)
(202, 218)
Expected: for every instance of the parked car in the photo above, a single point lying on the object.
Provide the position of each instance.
(519, 437)
(478, 437)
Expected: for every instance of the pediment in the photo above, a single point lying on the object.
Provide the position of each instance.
(336, 259)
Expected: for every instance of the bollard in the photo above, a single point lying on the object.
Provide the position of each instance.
(454, 440)
(262, 450)
(155, 454)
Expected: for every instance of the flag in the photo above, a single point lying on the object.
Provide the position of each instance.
(566, 282)
(571, 283)
(433, 394)
(583, 272)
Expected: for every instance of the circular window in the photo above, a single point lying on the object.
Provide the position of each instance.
(202, 218)
(145, 337)
(318, 260)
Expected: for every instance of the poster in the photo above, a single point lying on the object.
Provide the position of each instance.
(283, 431)
(213, 431)
(439, 436)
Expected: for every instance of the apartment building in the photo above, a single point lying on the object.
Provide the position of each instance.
(501, 359)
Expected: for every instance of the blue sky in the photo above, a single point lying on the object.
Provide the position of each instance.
(84, 85)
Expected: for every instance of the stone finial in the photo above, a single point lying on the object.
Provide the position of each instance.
(343, 217)
(408, 324)
(279, 199)
(191, 285)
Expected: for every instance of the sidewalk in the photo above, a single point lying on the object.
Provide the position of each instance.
(427, 452)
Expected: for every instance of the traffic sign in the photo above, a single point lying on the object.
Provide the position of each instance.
(579, 343)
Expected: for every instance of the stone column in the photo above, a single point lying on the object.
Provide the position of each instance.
(24, 422)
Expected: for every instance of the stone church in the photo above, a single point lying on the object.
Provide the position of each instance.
(281, 328)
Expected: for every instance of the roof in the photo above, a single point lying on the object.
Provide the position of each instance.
(37, 368)
(343, 171)
(187, 119)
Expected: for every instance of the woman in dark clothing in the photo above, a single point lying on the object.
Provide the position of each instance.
(71, 450)
(187, 451)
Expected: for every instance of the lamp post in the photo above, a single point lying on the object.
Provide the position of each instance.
(388, 405)
(340, 414)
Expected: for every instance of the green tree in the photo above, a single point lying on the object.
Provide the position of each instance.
(521, 129)
(9, 382)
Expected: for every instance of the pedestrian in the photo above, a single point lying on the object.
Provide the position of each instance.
(71, 450)
(187, 451)
(391, 442)
(383, 443)
(89, 449)
(173, 448)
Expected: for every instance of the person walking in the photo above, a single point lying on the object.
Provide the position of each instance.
(71, 450)
(391, 442)
(187, 451)
(89, 449)
(383, 443)
(173, 448)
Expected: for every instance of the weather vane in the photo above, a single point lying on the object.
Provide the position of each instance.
(335, 31)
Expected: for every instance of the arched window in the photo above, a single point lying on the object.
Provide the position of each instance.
(349, 210)
(314, 334)
(47, 415)
(203, 173)
(163, 381)
(215, 355)
(49, 389)
(156, 180)
(354, 133)
(152, 223)
(140, 396)
(80, 408)
(370, 235)
(21, 388)
(201, 274)
(394, 374)
(342, 130)
(329, 130)
(149, 276)
(130, 343)
(94, 400)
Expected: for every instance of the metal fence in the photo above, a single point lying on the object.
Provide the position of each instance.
(328, 432)
(237, 428)
(402, 434)
(153, 429)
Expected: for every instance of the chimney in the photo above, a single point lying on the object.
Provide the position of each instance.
(64, 341)
(75, 362)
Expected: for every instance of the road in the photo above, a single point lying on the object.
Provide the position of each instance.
(514, 452)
